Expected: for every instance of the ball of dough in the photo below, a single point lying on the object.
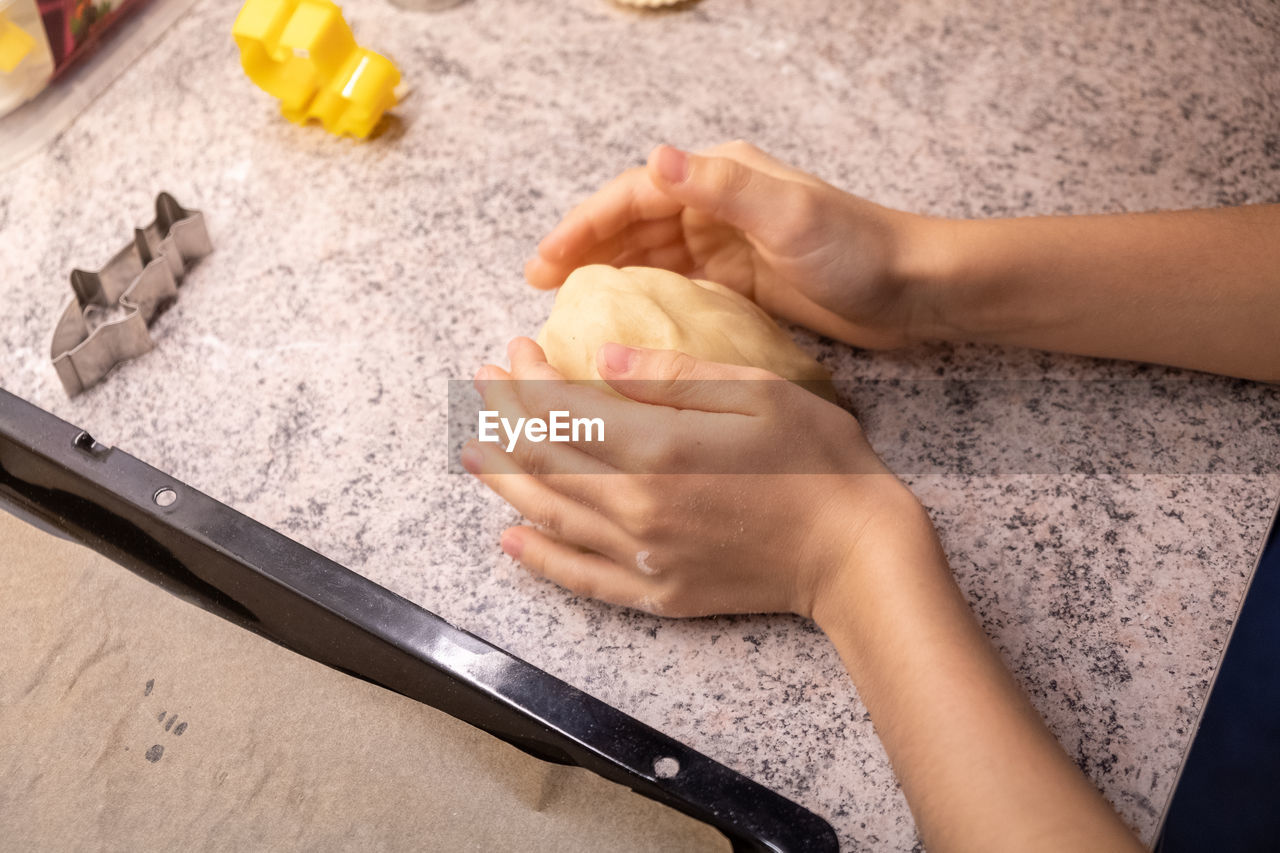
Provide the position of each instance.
(659, 309)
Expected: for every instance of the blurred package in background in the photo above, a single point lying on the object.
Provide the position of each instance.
(40, 42)
(56, 56)
(26, 61)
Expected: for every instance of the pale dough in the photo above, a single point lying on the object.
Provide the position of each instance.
(659, 309)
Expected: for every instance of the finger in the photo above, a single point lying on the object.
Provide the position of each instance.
(745, 152)
(528, 361)
(680, 381)
(542, 390)
(640, 237)
(617, 437)
(559, 514)
(648, 234)
(582, 478)
(630, 197)
(589, 575)
(584, 466)
(676, 258)
(636, 196)
(490, 381)
(633, 197)
(544, 273)
(542, 458)
(776, 211)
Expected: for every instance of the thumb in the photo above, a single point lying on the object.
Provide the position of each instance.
(669, 378)
(774, 210)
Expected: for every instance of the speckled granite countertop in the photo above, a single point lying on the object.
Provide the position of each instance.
(301, 376)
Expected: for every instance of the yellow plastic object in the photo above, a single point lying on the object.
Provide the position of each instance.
(303, 52)
(15, 44)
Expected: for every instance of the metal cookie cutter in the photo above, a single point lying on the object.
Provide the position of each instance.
(106, 322)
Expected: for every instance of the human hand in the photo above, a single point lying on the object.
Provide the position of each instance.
(799, 247)
(709, 495)
(696, 506)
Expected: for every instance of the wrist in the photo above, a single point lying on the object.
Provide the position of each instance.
(888, 541)
(928, 265)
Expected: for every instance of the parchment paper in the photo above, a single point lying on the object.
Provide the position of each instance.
(131, 720)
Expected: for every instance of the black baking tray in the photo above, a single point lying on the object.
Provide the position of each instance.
(225, 562)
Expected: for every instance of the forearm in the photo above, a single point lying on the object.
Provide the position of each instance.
(1197, 289)
(978, 767)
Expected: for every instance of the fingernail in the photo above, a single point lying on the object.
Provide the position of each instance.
(618, 358)
(673, 164)
(481, 379)
(471, 459)
(511, 545)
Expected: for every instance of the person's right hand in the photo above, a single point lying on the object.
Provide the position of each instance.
(802, 249)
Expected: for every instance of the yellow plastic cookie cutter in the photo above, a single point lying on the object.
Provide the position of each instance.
(303, 52)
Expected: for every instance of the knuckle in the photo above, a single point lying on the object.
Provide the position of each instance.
(727, 178)
(775, 393)
(547, 518)
(531, 457)
(675, 366)
(642, 525)
(660, 455)
(800, 210)
(633, 490)
(643, 516)
(655, 604)
(676, 598)
(672, 372)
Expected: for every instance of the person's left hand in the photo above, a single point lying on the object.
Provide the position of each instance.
(709, 495)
